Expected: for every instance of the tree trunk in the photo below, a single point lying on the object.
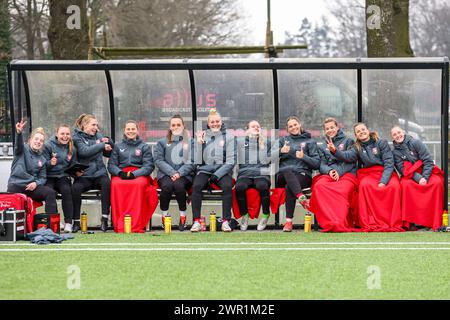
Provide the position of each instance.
(67, 41)
(29, 32)
(5, 57)
(391, 37)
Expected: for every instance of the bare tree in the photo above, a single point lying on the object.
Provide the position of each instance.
(319, 39)
(350, 32)
(168, 23)
(29, 22)
(430, 25)
(5, 57)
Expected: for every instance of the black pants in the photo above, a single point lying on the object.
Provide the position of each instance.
(293, 182)
(200, 182)
(41, 193)
(168, 187)
(83, 184)
(263, 187)
(63, 185)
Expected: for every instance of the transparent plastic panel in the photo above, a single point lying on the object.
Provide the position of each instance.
(313, 95)
(151, 98)
(59, 97)
(19, 99)
(408, 98)
(238, 95)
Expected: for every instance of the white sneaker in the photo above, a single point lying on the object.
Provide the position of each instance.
(68, 228)
(226, 226)
(196, 227)
(262, 224)
(244, 222)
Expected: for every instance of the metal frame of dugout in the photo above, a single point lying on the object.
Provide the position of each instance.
(19, 91)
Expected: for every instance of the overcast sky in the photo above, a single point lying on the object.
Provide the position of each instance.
(286, 15)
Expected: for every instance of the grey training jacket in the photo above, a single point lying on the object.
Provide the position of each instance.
(131, 153)
(413, 150)
(27, 166)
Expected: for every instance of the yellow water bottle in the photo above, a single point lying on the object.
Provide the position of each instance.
(212, 222)
(168, 224)
(127, 224)
(84, 226)
(445, 219)
(308, 222)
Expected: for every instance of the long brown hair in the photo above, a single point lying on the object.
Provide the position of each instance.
(70, 152)
(169, 135)
(372, 134)
(296, 119)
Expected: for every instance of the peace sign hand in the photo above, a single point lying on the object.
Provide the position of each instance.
(330, 145)
(20, 125)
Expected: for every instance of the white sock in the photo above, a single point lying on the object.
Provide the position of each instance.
(165, 213)
(182, 213)
(288, 220)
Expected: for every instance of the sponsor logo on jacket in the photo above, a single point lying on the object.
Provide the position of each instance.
(375, 150)
(138, 152)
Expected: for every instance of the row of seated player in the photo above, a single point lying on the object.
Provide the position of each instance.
(358, 188)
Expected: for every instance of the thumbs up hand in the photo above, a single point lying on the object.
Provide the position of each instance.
(286, 148)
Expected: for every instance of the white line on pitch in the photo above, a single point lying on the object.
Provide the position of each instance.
(215, 249)
(226, 243)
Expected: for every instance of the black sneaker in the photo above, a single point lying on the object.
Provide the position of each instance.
(76, 226)
(182, 224)
(104, 225)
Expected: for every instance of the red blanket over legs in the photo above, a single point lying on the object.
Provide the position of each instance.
(277, 198)
(253, 203)
(422, 204)
(379, 209)
(331, 202)
(137, 197)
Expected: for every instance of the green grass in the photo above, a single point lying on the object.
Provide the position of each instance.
(322, 274)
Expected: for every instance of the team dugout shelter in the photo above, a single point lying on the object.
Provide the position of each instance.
(410, 92)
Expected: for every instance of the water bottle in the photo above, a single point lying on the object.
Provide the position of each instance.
(308, 222)
(167, 224)
(84, 226)
(212, 222)
(445, 219)
(127, 223)
(203, 223)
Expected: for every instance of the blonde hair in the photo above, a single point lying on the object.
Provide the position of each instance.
(83, 120)
(36, 131)
(373, 135)
(70, 152)
(213, 112)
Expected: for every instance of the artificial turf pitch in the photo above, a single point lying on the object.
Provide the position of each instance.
(239, 265)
